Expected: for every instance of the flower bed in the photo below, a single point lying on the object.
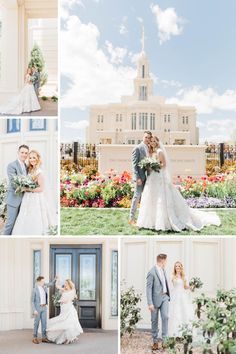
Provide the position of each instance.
(78, 190)
(86, 189)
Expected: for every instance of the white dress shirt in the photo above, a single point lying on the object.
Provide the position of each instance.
(162, 277)
(42, 295)
(23, 167)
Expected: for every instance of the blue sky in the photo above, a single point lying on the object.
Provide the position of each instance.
(191, 49)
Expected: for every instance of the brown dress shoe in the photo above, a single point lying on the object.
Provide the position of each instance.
(45, 340)
(155, 346)
(35, 340)
(132, 222)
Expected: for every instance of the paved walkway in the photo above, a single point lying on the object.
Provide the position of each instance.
(90, 342)
(48, 108)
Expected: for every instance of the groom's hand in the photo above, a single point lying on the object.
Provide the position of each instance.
(139, 182)
(151, 308)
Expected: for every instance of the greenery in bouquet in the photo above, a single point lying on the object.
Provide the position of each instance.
(3, 191)
(195, 283)
(149, 163)
(20, 183)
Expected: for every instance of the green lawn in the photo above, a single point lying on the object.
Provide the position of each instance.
(115, 222)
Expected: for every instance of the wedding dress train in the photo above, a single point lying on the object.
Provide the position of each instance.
(162, 206)
(65, 328)
(35, 216)
(181, 310)
(26, 101)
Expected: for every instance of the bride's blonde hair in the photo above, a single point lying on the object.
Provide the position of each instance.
(70, 284)
(33, 169)
(152, 149)
(181, 272)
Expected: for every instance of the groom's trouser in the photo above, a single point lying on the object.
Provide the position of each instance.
(42, 317)
(164, 310)
(136, 198)
(12, 213)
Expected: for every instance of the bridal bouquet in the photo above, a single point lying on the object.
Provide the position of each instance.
(150, 163)
(21, 183)
(195, 283)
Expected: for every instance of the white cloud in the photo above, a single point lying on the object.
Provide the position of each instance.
(123, 29)
(168, 22)
(82, 124)
(217, 130)
(93, 78)
(66, 5)
(117, 54)
(206, 100)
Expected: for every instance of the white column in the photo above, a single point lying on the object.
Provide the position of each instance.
(9, 82)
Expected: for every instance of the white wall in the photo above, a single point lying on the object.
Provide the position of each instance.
(16, 275)
(211, 259)
(185, 159)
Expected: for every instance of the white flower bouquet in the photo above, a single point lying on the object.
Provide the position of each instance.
(150, 163)
(21, 183)
(195, 283)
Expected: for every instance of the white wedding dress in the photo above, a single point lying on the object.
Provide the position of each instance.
(181, 310)
(35, 215)
(66, 326)
(163, 208)
(26, 101)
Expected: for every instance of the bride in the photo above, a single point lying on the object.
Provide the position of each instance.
(65, 328)
(162, 207)
(26, 101)
(35, 216)
(181, 311)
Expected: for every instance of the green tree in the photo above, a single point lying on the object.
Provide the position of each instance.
(37, 61)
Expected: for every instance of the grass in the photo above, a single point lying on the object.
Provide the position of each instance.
(115, 222)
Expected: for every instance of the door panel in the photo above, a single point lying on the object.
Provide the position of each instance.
(83, 266)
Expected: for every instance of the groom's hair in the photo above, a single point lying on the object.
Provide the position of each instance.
(147, 132)
(40, 278)
(161, 257)
(23, 146)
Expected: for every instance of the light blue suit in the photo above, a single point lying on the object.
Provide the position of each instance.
(13, 200)
(42, 311)
(138, 154)
(155, 297)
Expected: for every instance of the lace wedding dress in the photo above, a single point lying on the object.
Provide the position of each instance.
(65, 328)
(26, 101)
(35, 216)
(162, 207)
(181, 310)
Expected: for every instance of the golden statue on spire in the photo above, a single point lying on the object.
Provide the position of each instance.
(143, 39)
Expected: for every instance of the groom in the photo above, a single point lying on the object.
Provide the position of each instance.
(139, 174)
(39, 300)
(16, 168)
(158, 297)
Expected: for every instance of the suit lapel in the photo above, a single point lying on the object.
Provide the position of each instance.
(157, 273)
(19, 167)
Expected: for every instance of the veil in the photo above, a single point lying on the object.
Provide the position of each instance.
(167, 168)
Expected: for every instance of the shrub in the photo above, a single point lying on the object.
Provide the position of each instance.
(129, 311)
